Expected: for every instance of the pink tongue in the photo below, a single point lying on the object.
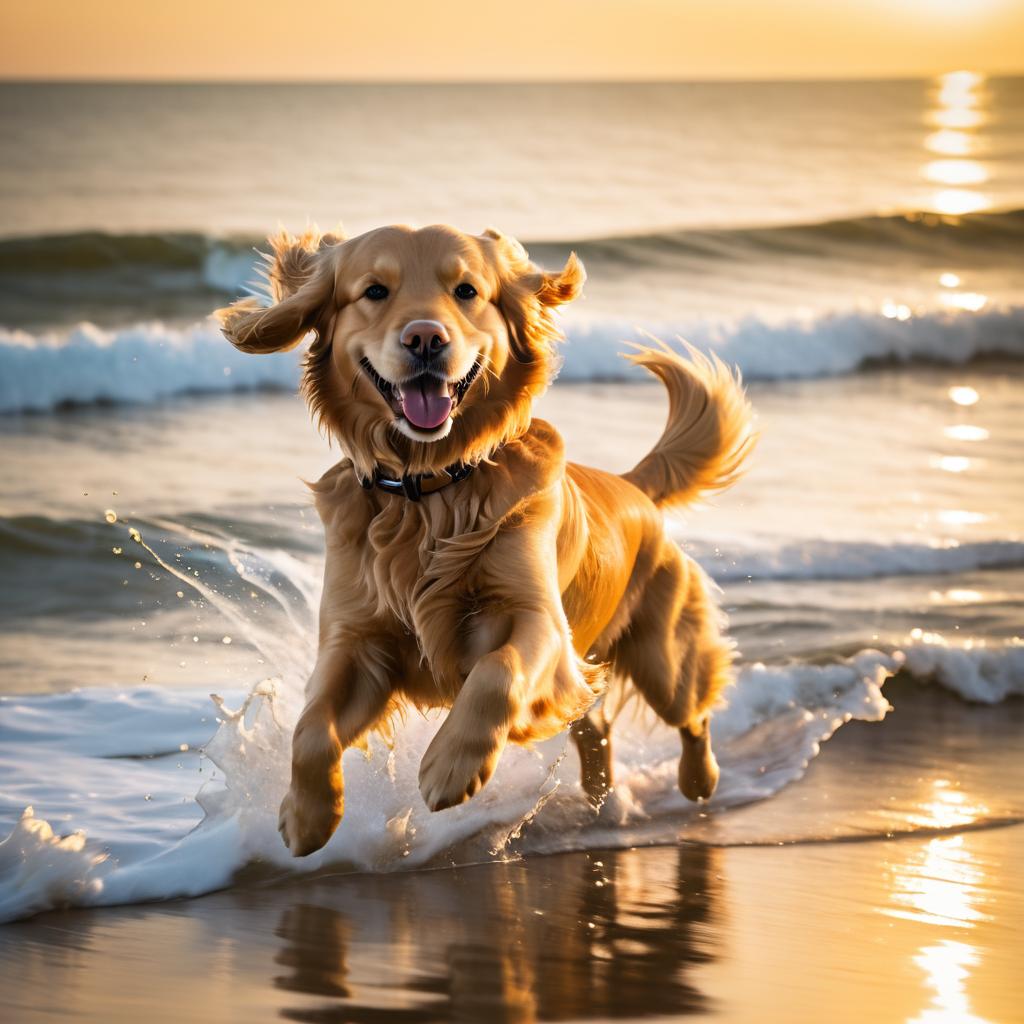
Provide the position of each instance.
(426, 403)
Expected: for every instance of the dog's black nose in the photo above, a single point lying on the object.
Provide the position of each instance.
(424, 337)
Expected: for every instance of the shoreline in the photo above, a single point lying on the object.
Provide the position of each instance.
(736, 928)
(896, 931)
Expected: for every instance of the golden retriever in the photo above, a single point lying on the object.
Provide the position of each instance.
(468, 565)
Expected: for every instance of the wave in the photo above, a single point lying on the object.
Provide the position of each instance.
(141, 756)
(31, 543)
(148, 362)
(728, 562)
(225, 263)
(911, 232)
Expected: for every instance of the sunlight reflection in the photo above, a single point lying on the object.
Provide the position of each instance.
(952, 463)
(956, 84)
(959, 110)
(957, 201)
(949, 142)
(895, 310)
(966, 432)
(961, 517)
(957, 117)
(956, 172)
(955, 596)
(949, 280)
(971, 301)
(941, 883)
(938, 887)
(964, 395)
(947, 968)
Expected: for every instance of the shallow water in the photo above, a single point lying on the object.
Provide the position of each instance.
(916, 927)
(872, 577)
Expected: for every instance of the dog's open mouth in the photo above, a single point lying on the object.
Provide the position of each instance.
(425, 401)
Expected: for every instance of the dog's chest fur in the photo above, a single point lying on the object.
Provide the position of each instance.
(415, 567)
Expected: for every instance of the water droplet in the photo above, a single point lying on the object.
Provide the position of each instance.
(110, 515)
(138, 565)
(116, 551)
(135, 535)
(225, 640)
(180, 593)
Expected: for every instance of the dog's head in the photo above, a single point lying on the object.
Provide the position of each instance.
(430, 345)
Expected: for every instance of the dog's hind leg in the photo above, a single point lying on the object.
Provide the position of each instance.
(698, 769)
(676, 657)
(592, 735)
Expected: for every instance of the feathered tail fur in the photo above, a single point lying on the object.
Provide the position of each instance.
(709, 432)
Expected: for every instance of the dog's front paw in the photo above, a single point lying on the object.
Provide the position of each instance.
(306, 820)
(456, 767)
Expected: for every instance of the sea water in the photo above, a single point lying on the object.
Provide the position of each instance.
(853, 248)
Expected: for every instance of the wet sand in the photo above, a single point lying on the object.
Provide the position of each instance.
(923, 927)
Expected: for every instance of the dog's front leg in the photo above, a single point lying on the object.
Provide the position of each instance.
(344, 700)
(463, 754)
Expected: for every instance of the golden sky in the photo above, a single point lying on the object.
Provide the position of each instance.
(512, 39)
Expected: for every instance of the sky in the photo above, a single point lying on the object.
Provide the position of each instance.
(444, 40)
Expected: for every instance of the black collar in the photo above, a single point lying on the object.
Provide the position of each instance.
(414, 486)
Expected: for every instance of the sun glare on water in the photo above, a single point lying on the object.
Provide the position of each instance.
(960, 109)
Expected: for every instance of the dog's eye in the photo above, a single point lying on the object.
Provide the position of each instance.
(376, 293)
(465, 291)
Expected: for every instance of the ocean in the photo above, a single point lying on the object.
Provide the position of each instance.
(855, 249)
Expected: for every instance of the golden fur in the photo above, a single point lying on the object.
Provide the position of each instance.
(512, 596)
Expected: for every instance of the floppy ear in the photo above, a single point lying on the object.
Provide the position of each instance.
(300, 275)
(528, 294)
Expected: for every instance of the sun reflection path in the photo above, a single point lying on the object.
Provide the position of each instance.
(942, 885)
(947, 967)
(959, 112)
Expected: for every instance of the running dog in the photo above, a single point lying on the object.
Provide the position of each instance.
(469, 566)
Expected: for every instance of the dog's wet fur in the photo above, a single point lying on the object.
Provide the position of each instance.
(532, 596)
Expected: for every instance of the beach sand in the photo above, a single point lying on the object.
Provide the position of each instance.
(922, 925)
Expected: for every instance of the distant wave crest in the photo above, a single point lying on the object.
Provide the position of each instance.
(225, 263)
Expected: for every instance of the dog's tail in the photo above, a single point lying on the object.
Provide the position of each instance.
(709, 432)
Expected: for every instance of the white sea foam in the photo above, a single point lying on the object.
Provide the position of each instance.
(153, 361)
(136, 831)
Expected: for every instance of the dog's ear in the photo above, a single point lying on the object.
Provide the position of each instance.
(528, 294)
(300, 276)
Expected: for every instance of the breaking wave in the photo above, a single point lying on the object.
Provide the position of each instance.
(149, 362)
(141, 756)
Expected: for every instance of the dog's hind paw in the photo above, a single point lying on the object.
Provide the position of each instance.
(698, 768)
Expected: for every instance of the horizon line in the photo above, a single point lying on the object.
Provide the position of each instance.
(699, 80)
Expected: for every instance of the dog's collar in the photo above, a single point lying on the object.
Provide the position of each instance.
(413, 486)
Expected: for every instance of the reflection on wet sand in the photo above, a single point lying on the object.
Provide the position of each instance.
(917, 930)
(604, 935)
(943, 885)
